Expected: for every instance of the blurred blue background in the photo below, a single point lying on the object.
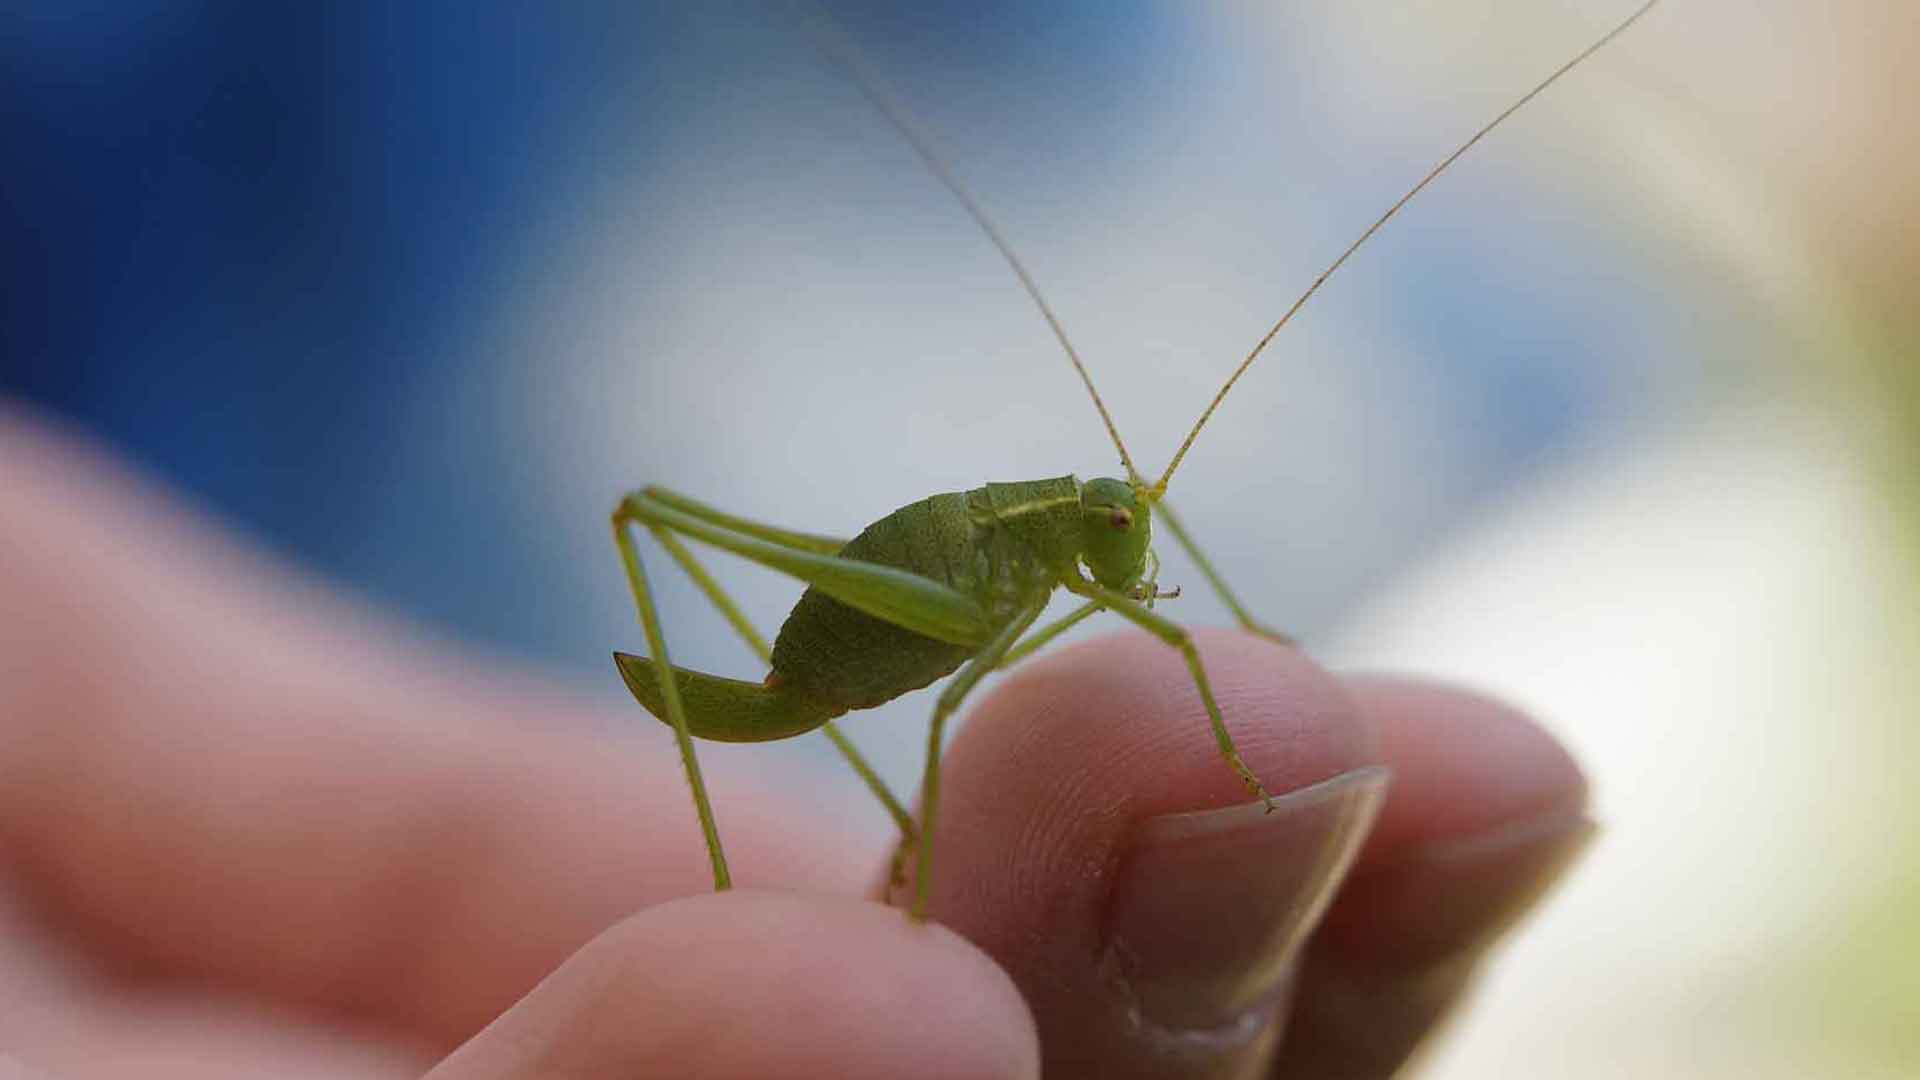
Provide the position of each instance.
(249, 242)
(255, 246)
(246, 239)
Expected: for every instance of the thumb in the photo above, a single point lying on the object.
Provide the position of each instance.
(762, 984)
(1095, 843)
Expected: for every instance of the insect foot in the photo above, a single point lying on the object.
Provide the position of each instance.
(897, 867)
(1253, 783)
(1260, 790)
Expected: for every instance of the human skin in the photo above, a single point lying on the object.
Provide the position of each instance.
(248, 828)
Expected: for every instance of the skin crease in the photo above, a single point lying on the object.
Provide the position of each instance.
(246, 828)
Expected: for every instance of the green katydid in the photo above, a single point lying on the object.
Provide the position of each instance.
(951, 583)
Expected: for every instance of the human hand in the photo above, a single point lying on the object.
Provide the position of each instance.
(247, 830)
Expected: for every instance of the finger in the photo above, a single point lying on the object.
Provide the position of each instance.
(57, 1016)
(208, 771)
(1152, 941)
(751, 984)
(1486, 813)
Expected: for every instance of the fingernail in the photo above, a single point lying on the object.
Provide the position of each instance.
(1212, 907)
(1456, 899)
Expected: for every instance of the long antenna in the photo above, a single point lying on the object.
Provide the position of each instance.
(1160, 487)
(838, 48)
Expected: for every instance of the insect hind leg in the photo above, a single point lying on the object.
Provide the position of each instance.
(670, 693)
(636, 508)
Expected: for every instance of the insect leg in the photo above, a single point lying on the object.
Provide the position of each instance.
(1240, 613)
(950, 697)
(1040, 638)
(901, 597)
(1177, 636)
(825, 545)
(738, 620)
(670, 692)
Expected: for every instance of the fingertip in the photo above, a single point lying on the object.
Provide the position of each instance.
(750, 983)
(1488, 809)
(1486, 814)
(1465, 763)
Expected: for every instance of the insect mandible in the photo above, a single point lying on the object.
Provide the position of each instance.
(950, 584)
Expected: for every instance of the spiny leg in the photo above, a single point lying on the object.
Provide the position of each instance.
(670, 692)
(1240, 613)
(1177, 636)
(950, 697)
(730, 611)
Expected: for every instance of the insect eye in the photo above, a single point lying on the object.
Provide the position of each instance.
(1121, 520)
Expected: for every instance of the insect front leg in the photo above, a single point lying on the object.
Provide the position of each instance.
(1240, 613)
(1177, 636)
